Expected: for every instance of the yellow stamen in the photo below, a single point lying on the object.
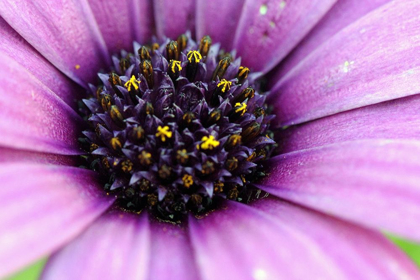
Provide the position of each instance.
(209, 143)
(163, 133)
(224, 84)
(194, 54)
(188, 180)
(132, 82)
(177, 64)
(240, 107)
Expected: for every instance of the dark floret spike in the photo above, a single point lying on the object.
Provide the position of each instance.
(242, 75)
(205, 45)
(182, 42)
(169, 137)
(172, 51)
(147, 71)
(194, 58)
(221, 68)
(144, 54)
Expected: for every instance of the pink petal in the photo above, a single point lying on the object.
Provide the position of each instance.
(375, 183)
(15, 47)
(174, 18)
(122, 22)
(342, 14)
(273, 28)
(243, 242)
(396, 119)
(8, 156)
(370, 61)
(43, 207)
(32, 116)
(65, 32)
(171, 253)
(219, 20)
(116, 246)
(358, 252)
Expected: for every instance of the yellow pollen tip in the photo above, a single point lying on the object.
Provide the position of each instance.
(240, 108)
(188, 180)
(224, 84)
(163, 133)
(208, 143)
(132, 83)
(177, 64)
(77, 66)
(194, 54)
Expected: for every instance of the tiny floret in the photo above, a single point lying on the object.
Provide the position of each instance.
(224, 85)
(132, 83)
(163, 133)
(194, 56)
(240, 108)
(208, 143)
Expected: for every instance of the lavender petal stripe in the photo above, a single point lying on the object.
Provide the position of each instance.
(39, 214)
(219, 20)
(372, 60)
(15, 47)
(8, 156)
(359, 253)
(116, 246)
(64, 32)
(170, 240)
(273, 28)
(240, 242)
(32, 116)
(342, 14)
(174, 18)
(375, 183)
(395, 119)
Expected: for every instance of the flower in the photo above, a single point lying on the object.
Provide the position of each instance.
(343, 76)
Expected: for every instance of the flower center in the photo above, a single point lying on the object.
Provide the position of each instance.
(178, 127)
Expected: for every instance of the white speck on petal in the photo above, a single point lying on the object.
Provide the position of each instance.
(282, 4)
(263, 9)
(260, 274)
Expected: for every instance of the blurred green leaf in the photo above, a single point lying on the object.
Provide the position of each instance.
(410, 248)
(30, 273)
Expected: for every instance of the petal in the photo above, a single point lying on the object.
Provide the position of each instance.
(116, 246)
(273, 28)
(65, 32)
(174, 18)
(345, 243)
(31, 116)
(218, 19)
(171, 253)
(8, 156)
(342, 14)
(375, 183)
(372, 60)
(122, 22)
(242, 242)
(395, 119)
(44, 209)
(15, 47)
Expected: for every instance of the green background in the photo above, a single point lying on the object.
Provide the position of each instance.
(33, 272)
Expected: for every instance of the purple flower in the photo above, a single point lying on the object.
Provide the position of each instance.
(343, 78)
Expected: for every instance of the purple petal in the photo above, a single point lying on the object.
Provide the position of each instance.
(65, 32)
(15, 47)
(122, 22)
(242, 242)
(375, 183)
(273, 28)
(395, 119)
(358, 252)
(342, 14)
(172, 255)
(174, 18)
(372, 60)
(116, 246)
(218, 19)
(43, 207)
(32, 116)
(20, 156)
